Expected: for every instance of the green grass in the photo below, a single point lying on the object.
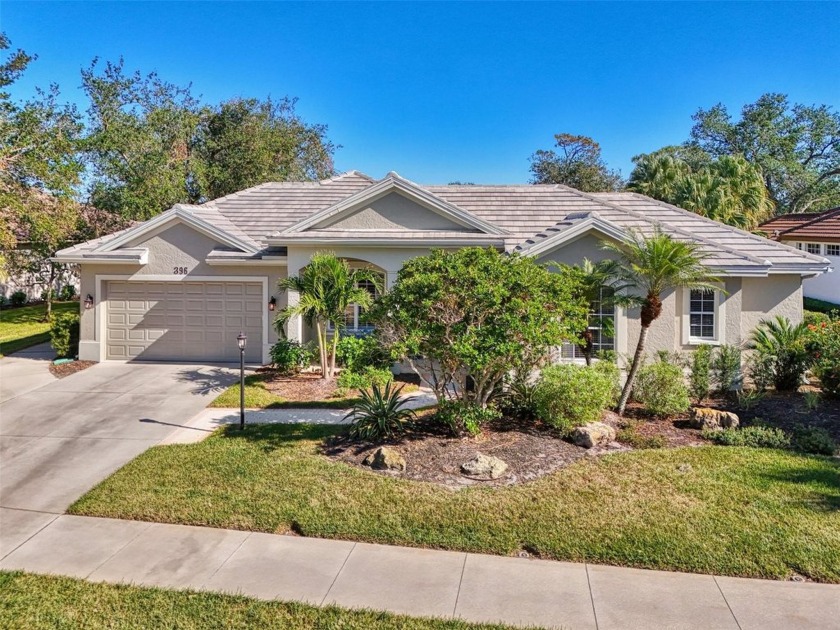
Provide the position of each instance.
(37, 601)
(732, 511)
(258, 397)
(25, 326)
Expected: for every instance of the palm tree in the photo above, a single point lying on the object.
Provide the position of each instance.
(650, 266)
(326, 287)
(784, 343)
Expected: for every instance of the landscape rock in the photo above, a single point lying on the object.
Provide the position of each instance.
(385, 458)
(705, 418)
(484, 466)
(593, 434)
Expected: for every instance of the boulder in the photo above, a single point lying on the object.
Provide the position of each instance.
(484, 466)
(385, 458)
(705, 418)
(593, 434)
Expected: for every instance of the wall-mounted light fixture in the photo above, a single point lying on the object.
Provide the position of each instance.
(272, 303)
(88, 302)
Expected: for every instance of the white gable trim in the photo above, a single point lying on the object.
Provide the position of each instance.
(176, 214)
(395, 183)
(556, 241)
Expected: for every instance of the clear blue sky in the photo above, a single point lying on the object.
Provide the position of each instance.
(467, 91)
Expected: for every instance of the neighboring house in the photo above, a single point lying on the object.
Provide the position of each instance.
(817, 234)
(182, 285)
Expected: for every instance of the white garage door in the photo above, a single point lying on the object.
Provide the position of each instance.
(183, 321)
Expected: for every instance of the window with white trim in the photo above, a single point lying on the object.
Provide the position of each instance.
(832, 250)
(799, 246)
(601, 327)
(702, 314)
(354, 320)
(814, 248)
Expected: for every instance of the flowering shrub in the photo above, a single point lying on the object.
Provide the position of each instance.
(824, 346)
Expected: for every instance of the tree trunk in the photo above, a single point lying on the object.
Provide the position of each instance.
(48, 314)
(322, 347)
(634, 368)
(333, 352)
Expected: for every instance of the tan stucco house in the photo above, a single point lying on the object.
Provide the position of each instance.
(181, 286)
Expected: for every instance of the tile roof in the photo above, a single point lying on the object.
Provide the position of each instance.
(824, 227)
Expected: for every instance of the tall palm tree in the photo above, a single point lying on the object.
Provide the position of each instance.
(650, 266)
(326, 287)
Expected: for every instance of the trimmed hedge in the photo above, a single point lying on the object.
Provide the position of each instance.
(64, 335)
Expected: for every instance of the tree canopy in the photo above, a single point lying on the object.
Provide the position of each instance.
(575, 161)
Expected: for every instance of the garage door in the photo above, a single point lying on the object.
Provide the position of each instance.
(183, 321)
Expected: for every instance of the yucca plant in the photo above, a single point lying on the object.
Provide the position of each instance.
(380, 414)
(783, 344)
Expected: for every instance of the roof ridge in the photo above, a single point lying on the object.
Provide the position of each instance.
(347, 174)
(639, 215)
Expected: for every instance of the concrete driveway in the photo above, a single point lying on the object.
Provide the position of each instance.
(61, 439)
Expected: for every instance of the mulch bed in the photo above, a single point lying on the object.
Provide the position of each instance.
(310, 387)
(66, 369)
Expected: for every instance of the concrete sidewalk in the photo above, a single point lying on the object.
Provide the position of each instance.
(417, 582)
(25, 370)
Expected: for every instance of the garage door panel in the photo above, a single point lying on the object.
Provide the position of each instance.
(183, 321)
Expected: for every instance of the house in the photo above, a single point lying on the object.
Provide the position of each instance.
(183, 284)
(817, 234)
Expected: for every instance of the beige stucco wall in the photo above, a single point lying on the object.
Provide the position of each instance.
(393, 212)
(175, 246)
(574, 252)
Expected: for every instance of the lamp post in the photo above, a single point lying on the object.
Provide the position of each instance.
(242, 340)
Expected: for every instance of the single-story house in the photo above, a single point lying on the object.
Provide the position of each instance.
(818, 234)
(182, 285)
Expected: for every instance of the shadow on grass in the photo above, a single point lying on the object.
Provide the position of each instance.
(270, 437)
(821, 490)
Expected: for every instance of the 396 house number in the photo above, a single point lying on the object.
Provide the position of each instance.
(180, 271)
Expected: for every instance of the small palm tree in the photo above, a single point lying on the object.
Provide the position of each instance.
(380, 414)
(650, 266)
(784, 344)
(326, 287)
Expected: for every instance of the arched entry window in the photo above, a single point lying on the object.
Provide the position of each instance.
(354, 321)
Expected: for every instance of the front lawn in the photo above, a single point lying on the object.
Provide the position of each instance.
(25, 326)
(731, 511)
(38, 601)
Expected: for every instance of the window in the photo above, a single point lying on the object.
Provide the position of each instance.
(701, 314)
(354, 319)
(814, 248)
(601, 326)
(799, 246)
(832, 250)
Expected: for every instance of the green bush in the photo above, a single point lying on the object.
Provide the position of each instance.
(380, 414)
(64, 335)
(700, 381)
(364, 379)
(18, 298)
(660, 388)
(813, 440)
(568, 396)
(782, 346)
(824, 346)
(611, 370)
(461, 417)
(518, 399)
(67, 293)
(289, 357)
(815, 318)
(757, 436)
(726, 368)
(821, 306)
(357, 353)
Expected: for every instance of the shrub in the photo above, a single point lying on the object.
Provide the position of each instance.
(824, 345)
(380, 414)
(64, 334)
(460, 416)
(289, 357)
(661, 388)
(611, 370)
(629, 434)
(357, 353)
(518, 400)
(821, 306)
(757, 436)
(568, 396)
(67, 293)
(760, 369)
(700, 382)
(726, 368)
(2, 300)
(749, 398)
(813, 440)
(18, 298)
(365, 379)
(815, 318)
(784, 343)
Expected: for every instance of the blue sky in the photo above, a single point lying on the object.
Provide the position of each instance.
(466, 91)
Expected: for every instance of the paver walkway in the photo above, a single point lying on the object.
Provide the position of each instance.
(418, 582)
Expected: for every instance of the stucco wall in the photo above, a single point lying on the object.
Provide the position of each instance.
(393, 212)
(574, 252)
(765, 298)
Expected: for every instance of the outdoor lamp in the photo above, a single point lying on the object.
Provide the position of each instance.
(88, 302)
(241, 341)
(272, 303)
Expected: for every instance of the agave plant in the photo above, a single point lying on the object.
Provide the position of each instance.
(783, 344)
(380, 414)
